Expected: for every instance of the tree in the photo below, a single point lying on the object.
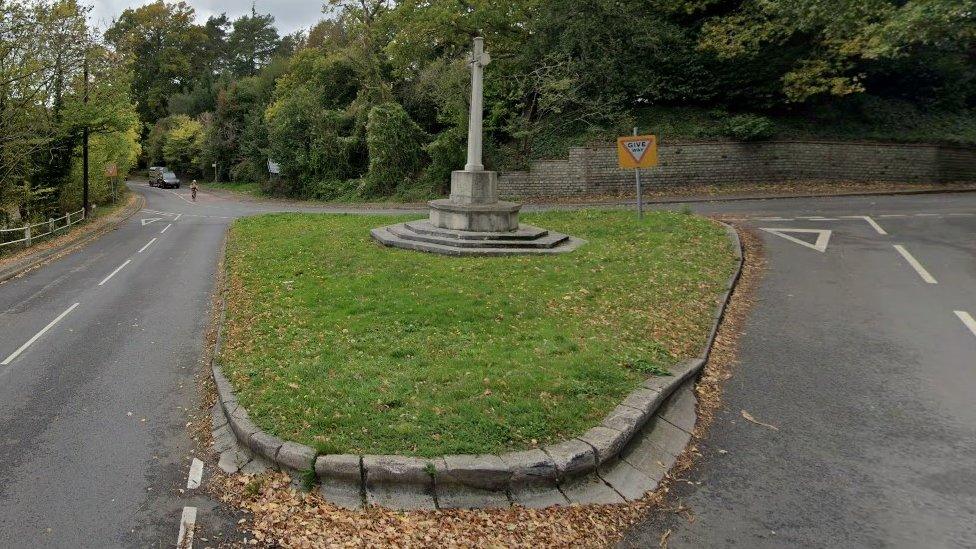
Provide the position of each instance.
(252, 43)
(45, 48)
(167, 51)
(181, 149)
(832, 43)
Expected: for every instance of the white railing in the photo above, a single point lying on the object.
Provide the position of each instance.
(51, 226)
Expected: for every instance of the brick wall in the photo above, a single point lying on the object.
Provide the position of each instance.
(593, 170)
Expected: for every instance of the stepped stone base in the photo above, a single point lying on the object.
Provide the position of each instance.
(474, 222)
(426, 237)
(496, 216)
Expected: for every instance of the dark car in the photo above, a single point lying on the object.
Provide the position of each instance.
(169, 180)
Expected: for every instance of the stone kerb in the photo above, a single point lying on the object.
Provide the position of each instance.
(536, 477)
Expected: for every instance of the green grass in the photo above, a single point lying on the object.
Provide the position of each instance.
(336, 342)
(248, 188)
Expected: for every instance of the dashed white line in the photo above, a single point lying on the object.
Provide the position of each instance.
(927, 215)
(968, 320)
(150, 243)
(177, 218)
(928, 278)
(165, 228)
(196, 474)
(37, 336)
(893, 215)
(115, 272)
(157, 212)
(188, 523)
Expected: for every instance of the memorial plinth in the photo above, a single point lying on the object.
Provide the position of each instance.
(473, 221)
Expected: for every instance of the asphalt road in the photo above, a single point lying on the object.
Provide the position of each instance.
(98, 356)
(867, 371)
(864, 367)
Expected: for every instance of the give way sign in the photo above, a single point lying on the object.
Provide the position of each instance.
(637, 151)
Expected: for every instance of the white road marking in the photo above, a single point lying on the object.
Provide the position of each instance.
(196, 474)
(37, 336)
(893, 215)
(115, 272)
(165, 228)
(158, 212)
(960, 214)
(177, 218)
(150, 243)
(968, 320)
(818, 218)
(927, 215)
(177, 195)
(823, 237)
(872, 222)
(928, 278)
(188, 523)
(149, 220)
(774, 219)
(204, 216)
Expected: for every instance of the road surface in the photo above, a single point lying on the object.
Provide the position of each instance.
(863, 355)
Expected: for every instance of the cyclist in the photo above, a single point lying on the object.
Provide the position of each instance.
(193, 190)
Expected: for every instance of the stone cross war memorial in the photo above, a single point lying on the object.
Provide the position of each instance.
(472, 221)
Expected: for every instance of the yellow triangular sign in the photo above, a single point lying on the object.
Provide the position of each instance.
(637, 151)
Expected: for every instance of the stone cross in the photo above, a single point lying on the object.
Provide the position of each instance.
(479, 58)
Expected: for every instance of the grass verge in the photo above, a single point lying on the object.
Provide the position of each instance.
(336, 342)
(246, 188)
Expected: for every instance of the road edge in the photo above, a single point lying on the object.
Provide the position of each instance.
(477, 480)
(136, 203)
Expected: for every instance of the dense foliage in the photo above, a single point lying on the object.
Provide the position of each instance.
(44, 48)
(372, 101)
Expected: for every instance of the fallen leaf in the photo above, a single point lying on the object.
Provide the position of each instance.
(748, 417)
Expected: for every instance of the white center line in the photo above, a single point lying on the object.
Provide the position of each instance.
(967, 319)
(187, 524)
(165, 228)
(31, 341)
(146, 246)
(115, 272)
(177, 218)
(893, 215)
(915, 265)
(196, 473)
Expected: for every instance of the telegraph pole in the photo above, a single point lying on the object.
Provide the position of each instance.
(84, 149)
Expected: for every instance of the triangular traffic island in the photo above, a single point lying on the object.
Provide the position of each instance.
(815, 239)
(473, 221)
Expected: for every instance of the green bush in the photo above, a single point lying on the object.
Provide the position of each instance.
(447, 153)
(310, 144)
(181, 149)
(395, 146)
(749, 127)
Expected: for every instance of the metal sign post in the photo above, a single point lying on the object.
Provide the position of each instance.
(637, 151)
(640, 192)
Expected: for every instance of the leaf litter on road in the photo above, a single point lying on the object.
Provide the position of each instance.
(748, 417)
